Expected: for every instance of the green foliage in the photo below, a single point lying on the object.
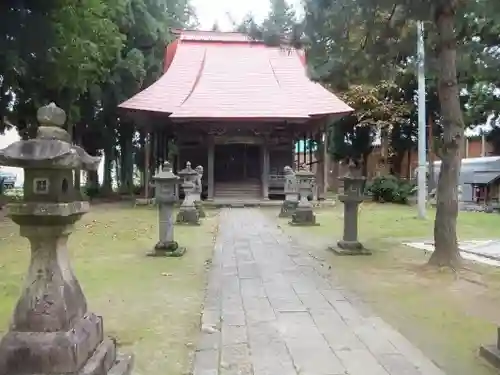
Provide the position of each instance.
(390, 189)
(493, 137)
(87, 56)
(279, 28)
(350, 142)
(85, 45)
(377, 109)
(90, 192)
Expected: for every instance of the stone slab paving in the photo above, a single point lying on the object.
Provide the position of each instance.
(269, 311)
(481, 251)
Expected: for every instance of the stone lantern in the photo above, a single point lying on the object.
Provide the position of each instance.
(199, 189)
(352, 197)
(304, 214)
(52, 332)
(188, 214)
(165, 184)
(291, 193)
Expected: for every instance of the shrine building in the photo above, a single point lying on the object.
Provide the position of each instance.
(238, 108)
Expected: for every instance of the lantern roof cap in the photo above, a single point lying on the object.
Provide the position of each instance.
(166, 173)
(303, 172)
(52, 147)
(187, 171)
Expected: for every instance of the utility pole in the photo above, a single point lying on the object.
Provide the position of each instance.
(422, 163)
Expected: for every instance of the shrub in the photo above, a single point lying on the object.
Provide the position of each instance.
(390, 189)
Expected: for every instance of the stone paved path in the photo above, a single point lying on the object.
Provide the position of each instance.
(268, 311)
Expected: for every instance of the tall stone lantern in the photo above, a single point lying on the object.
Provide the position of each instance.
(52, 332)
(291, 193)
(188, 214)
(352, 197)
(198, 190)
(304, 215)
(165, 183)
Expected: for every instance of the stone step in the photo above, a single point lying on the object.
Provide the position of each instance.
(238, 189)
(231, 190)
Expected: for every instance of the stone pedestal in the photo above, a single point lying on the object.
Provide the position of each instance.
(289, 206)
(492, 352)
(304, 214)
(167, 246)
(52, 333)
(354, 195)
(291, 194)
(51, 323)
(188, 214)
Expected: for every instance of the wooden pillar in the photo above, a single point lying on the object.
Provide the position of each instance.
(304, 143)
(310, 152)
(245, 149)
(210, 167)
(265, 170)
(325, 164)
(147, 155)
(294, 153)
(319, 165)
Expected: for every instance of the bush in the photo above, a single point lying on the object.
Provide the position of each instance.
(390, 189)
(91, 191)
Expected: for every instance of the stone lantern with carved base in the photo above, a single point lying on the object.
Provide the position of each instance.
(291, 193)
(165, 184)
(304, 214)
(188, 214)
(52, 332)
(352, 197)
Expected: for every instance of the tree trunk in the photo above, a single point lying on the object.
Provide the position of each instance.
(397, 163)
(364, 166)
(408, 164)
(126, 159)
(431, 183)
(384, 151)
(446, 252)
(92, 180)
(107, 184)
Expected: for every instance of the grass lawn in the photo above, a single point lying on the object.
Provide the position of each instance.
(151, 305)
(448, 315)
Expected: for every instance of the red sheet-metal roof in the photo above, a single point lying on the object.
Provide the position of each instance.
(228, 76)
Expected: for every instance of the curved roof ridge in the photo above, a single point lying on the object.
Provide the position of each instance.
(170, 90)
(274, 72)
(198, 76)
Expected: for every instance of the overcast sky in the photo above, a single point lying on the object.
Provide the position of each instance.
(216, 11)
